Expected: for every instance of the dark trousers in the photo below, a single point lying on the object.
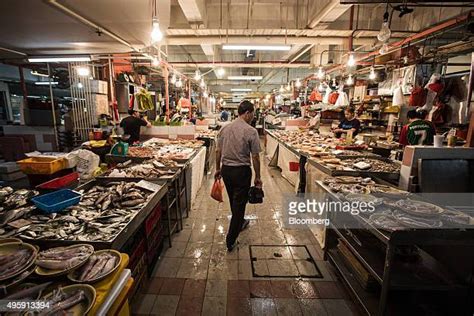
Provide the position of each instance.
(237, 182)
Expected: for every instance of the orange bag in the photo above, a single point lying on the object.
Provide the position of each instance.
(216, 191)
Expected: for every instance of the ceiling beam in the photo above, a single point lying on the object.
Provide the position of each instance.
(268, 64)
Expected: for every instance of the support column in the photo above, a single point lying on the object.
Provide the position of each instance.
(167, 95)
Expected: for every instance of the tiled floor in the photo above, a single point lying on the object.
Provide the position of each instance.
(197, 276)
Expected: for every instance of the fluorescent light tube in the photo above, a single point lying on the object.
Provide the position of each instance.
(45, 83)
(257, 47)
(244, 78)
(241, 90)
(46, 59)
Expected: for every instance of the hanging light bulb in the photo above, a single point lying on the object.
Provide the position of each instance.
(320, 87)
(155, 62)
(351, 61)
(80, 85)
(202, 84)
(179, 83)
(205, 94)
(288, 87)
(384, 34)
(405, 60)
(197, 76)
(384, 49)
(372, 74)
(320, 73)
(333, 82)
(282, 89)
(298, 83)
(173, 79)
(221, 72)
(349, 80)
(156, 34)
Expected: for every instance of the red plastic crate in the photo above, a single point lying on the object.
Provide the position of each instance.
(60, 183)
(153, 219)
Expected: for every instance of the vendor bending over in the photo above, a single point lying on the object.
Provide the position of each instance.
(349, 123)
(131, 125)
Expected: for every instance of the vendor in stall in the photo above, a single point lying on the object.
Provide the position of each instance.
(314, 119)
(349, 123)
(418, 131)
(131, 125)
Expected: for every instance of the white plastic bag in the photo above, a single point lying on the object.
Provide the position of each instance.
(87, 162)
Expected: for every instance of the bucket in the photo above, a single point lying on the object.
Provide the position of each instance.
(294, 166)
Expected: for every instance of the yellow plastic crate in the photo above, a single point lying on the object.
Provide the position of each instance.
(41, 165)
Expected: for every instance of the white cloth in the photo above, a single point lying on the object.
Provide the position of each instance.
(342, 99)
(430, 97)
(398, 98)
(326, 95)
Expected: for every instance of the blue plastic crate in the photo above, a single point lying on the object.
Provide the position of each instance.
(56, 201)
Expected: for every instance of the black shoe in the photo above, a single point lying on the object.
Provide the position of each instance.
(245, 225)
(231, 247)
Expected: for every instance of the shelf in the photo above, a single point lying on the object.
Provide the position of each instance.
(368, 301)
(367, 257)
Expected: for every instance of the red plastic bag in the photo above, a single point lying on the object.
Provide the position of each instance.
(217, 191)
(333, 97)
(417, 97)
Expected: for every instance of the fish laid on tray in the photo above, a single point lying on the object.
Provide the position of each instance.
(11, 263)
(14, 205)
(97, 266)
(148, 169)
(60, 302)
(102, 213)
(63, 258)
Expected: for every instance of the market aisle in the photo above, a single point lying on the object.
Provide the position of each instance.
(197, 276)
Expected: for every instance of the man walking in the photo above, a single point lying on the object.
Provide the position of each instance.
(237, 144)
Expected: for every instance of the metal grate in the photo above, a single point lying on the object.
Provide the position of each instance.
(84, 115)
(294, 261)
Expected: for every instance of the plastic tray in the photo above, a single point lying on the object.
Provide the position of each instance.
(38, 165)
(56, 201)
(68, 181)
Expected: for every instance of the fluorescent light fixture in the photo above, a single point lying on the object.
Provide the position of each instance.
(45, 83)
(35, 73)
(257, 47)
(244, 78)
(240, 89)
(46, 59)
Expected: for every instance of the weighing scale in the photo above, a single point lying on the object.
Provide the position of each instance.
(120, 148)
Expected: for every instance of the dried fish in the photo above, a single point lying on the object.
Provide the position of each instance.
(64, 304)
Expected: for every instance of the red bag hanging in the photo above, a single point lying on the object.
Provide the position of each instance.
(417, 97)
(333, 97)
(217, 191)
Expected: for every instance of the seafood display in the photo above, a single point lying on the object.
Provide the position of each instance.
(64, 258)
(140, 152)
(419, 208)
(70, 300)
(147, 169)
(99, 265)
(29, 292)
(102, 213)
(14, 205)
(15, 258)
(364, 164)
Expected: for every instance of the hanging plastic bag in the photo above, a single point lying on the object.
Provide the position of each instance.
(217, 191)
(87, 163)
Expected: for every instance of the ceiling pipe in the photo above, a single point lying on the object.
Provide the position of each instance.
(268, 64)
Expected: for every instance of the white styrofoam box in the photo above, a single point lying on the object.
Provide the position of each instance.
(155, 130)
(202, 127)
(101, 104)
(9, 167)
(99, 86)
(184, 130)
